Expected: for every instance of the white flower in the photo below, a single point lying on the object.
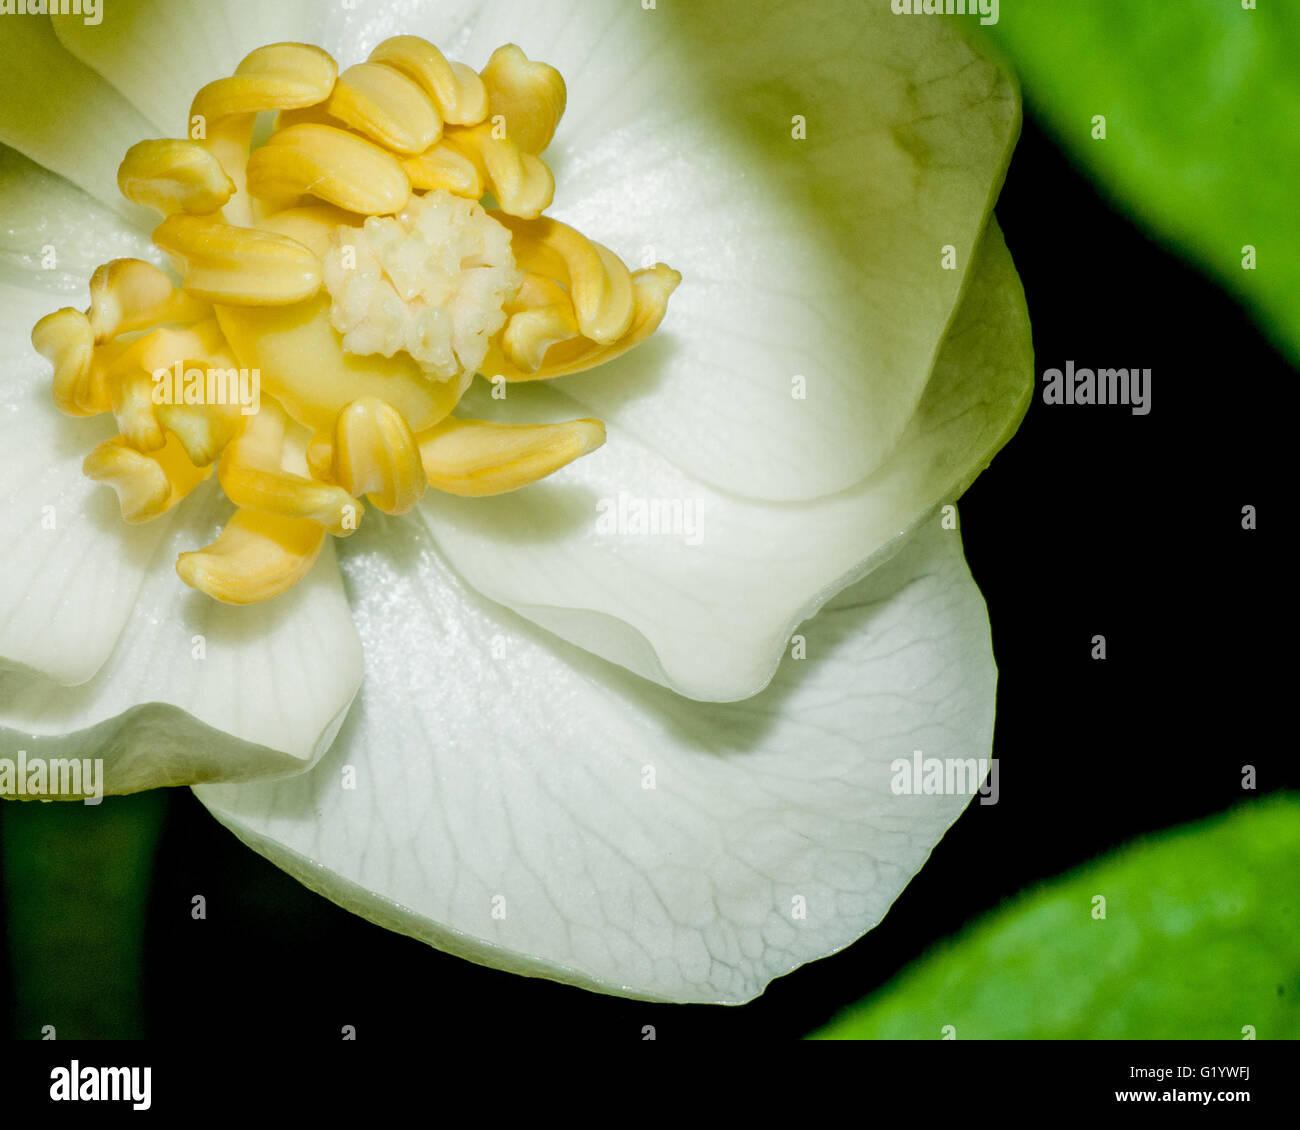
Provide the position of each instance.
(685, 804)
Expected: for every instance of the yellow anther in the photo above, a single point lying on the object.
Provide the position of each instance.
(132, 396)
(375, 454)
(529, 97)
(239, 266)
(521, 182)
(147, 485)
(541, 316)
(65, 339)
(313, 225)
(599, 282)
(257, 556)
(129, 294)
(449, 166)
(281, 76)
(253, 476)
(332, 164)
(387, 107)
(651, 288)
(475, 458)
(456, 90)
(203, 431)
(304, 367)
(173, 175)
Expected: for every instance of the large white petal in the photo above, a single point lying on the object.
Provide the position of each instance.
(72, 567)
(158, 53)
(197, 690)
(818, 258)
(62, 115)
(708, 606)
(498, 807)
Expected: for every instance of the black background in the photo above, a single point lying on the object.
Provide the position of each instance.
(1091, 521)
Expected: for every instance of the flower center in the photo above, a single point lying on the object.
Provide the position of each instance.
(433, 281)
(340, 286)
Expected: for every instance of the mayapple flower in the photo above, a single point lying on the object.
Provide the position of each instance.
(520, 592)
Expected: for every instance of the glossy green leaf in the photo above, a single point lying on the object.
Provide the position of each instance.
(1200, 940)
(1201, 101)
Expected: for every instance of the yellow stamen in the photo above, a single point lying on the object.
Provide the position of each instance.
(257, 556)
(280, 76)
(387, 107)
(173, 175)
(375, 454)
(475, 458)
(332, 164)
(450, 167)
(651, 290)
(521, 181)
(252, 477)
(66, 339)
(529, 97)
(129, 294)
(456, 90)
(147, 485)
(239, 266)
(600, 284)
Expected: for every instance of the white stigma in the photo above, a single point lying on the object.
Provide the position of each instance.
(432, 281)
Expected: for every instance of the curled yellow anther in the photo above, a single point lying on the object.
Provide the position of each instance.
(521, 181)
(332, 164)
(541, 316)
(375, 454)
(129, 294)
(257, 556)
(252, 475)
(456, 90)
(132, 396)
(598, 280)
(173, 175)
(528, 96)
(475, 458)
(66, 339)
(147, 485)
(651, 290)
(448, 166)
(387, 107)
(239, 266)
(280, 76)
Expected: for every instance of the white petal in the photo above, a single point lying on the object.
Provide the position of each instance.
(53, 236)
(158, 53)
(62, 115)
(707, 606)
(818, 258)
(73, 568)
(197, 690)
(498, 807)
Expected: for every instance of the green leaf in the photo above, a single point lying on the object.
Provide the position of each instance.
(1202, 104)
(1199, 941)
(76, 886)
